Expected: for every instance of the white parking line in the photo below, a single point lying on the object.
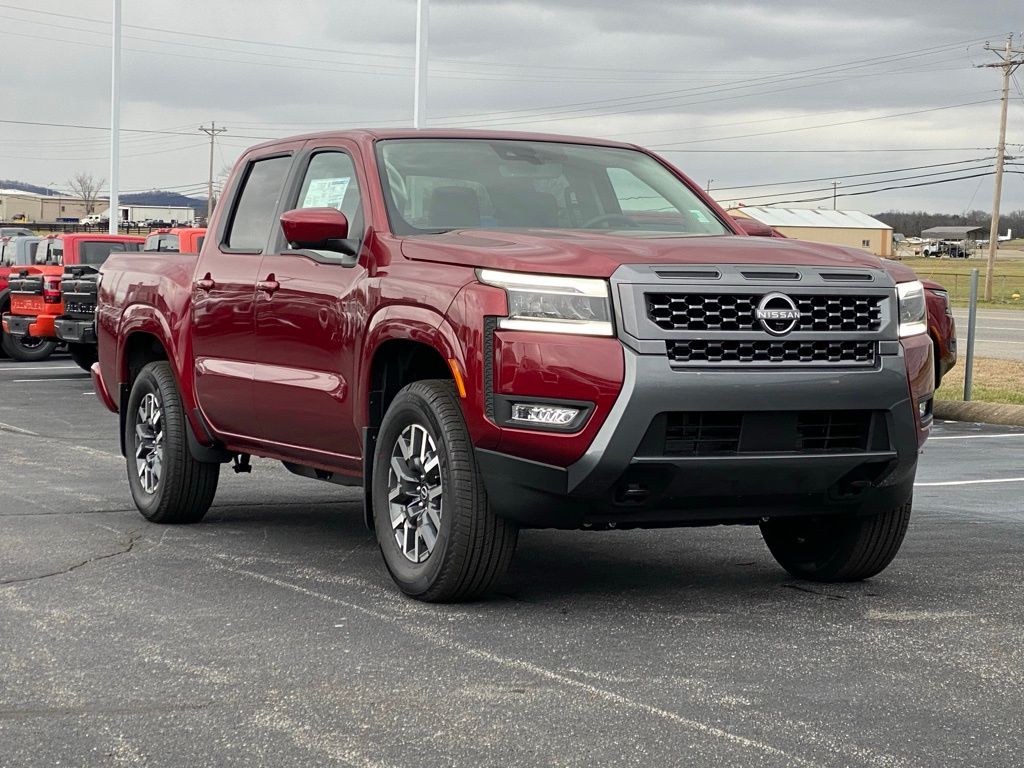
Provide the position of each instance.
(971, 482)
(975, 437)
(58, 378)
(18, 369)
(16, 430)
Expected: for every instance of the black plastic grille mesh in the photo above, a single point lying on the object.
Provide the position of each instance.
(735, 312)
(772, 351)
(711, 433)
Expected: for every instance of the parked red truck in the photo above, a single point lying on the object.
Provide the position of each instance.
(36, 298)
(485, 331)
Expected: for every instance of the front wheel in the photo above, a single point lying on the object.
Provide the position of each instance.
(167, 483)
(84, 355)
(837, 549)
(440, 540)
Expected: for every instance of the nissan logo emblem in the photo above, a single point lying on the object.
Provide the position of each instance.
(777, 314)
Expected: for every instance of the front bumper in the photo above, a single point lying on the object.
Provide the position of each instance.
(75, 331)
(619, 482)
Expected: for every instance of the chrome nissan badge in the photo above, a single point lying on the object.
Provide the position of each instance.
(777, 313)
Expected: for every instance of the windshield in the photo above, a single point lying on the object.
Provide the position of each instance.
(95, 253)
(436, 185)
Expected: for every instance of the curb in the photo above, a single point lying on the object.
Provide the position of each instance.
(987, 413)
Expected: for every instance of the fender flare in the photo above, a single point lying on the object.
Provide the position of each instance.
(396, 323)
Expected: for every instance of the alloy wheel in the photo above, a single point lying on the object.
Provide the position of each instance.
(415, 490)
(149, 442)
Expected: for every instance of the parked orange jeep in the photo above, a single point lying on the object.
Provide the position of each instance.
(36, 300)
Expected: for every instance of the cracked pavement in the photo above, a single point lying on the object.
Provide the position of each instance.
(271, 635)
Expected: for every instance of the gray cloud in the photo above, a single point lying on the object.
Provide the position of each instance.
(656, 71)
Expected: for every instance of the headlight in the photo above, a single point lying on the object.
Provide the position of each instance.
(553, 304)
(912, 308)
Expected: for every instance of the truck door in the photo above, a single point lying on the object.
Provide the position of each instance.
(224, 286)
(309, 315)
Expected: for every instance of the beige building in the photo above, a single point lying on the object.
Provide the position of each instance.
(850, 228)
(16, 205)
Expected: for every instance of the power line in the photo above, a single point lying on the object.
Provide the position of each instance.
(859, 184)
(825, 125)
(852, 175)
(880, 189)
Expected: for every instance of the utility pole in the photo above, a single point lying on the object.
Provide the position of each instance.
(419, 106)
(835, 193)
(115, 119)
(1010, 59)
(212, 132)
(708, 187)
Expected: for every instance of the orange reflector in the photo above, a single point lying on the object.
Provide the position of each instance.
(457, 374)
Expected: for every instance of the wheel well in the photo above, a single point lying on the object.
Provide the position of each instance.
(396, 364)
(139, 350)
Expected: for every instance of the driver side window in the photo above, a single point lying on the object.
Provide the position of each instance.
(331, 182)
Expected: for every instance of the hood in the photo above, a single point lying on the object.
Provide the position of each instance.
(599, 254)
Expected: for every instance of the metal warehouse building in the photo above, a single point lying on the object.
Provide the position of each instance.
(851, 228)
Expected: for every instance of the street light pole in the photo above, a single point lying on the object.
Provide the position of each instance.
(115, 119)
(419, 109)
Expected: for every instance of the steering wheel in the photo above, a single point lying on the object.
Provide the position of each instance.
(609, 218)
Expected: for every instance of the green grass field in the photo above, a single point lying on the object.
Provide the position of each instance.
(955, 276)
(994, 381)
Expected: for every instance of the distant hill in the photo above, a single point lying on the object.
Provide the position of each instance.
(156, 197)
(10, 184)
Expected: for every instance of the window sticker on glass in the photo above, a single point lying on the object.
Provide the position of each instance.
(699, 215)
(326, 193)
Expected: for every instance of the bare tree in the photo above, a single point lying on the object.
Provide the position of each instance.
(87, 187)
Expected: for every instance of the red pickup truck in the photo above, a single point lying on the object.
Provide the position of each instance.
(36, 298)
(494, 330)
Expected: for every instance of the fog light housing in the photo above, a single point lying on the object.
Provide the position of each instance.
(546, 415)
(924, 409)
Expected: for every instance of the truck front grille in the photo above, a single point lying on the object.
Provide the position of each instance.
(723, 433)
(772, 352)
(735, 311)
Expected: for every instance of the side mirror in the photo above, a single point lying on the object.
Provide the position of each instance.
(753, 227)
(318, 229)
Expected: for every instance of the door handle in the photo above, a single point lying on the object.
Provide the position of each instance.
(206, 284)
(268, 286)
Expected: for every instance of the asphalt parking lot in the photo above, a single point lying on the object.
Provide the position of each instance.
(1000, 333)
(271, 635)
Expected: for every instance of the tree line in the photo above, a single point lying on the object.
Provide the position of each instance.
(912, 223)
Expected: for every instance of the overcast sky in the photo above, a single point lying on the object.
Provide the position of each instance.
(727, 91)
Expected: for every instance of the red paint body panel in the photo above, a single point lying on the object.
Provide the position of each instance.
(941, 327)
(920, 374)
(566, 367)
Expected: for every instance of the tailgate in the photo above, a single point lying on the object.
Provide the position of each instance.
(26, 294)
(79, 287)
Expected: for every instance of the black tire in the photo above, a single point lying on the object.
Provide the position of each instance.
(185, 487)
(473, 546)
(837, 549)
(84, 355)
(26, 349)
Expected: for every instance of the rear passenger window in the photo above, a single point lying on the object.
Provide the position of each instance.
(257, 204)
